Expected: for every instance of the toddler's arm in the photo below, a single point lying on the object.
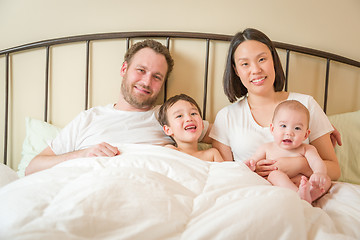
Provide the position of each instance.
(171, 146)
(216, 155)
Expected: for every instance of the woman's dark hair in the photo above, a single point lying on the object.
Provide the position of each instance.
(233, 87)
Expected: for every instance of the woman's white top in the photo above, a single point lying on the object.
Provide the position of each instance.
(235, 126)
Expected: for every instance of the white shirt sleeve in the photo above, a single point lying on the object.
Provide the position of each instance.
(65, 141)
(319, 122)
(219, 130)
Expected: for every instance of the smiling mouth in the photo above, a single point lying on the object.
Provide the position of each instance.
(191, 127)
(142, 89)
(287, 141)
(258, 80)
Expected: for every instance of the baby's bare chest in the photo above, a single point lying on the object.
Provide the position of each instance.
(275, 152)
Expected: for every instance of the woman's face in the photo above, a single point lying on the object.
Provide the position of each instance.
(255, 67)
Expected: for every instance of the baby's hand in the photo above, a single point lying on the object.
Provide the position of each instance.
(251, 164)
(319, 180)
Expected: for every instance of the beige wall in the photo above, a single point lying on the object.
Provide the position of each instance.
(328, 25)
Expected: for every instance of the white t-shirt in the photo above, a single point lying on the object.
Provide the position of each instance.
(235, 126)
(106, 124)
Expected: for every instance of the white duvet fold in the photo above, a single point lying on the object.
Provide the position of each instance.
(151, 192)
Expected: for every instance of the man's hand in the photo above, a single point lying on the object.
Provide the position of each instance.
(101, 150)
(47, 158)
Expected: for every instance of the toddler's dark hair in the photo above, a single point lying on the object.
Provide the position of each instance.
(162, 117)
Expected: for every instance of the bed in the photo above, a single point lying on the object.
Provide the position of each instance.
(152, 192)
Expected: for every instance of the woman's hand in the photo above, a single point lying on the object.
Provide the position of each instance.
(265, 167)
(293, 166)
(335, 137)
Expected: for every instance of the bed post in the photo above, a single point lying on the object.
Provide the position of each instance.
(6, 120)
(47, 83)
(206, 76)
(326, 83)
(287, 69)
(87, 70)
(166, 82)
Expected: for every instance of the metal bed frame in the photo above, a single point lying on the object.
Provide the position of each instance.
(47, 44)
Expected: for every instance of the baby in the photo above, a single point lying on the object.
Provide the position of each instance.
(290, 127)
(181, 119)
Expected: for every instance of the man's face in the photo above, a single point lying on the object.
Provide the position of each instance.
(143, 78)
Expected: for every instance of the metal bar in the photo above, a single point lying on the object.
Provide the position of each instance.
(7, 67)
(287, 70)
(326, 84)
(206, 76)
(127, 43)
(166, 82)
(116, 35)
(168, 43)
(219, 37)
(317, 53)
(87, 74)
(47, 83)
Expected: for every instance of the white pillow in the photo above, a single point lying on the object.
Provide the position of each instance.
(38, 133)
(348, 124)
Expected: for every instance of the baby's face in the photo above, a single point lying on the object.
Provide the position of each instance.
(185, 122)
(290, 128)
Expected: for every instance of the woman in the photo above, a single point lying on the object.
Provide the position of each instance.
(254, 75)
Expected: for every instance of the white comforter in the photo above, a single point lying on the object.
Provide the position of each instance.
(151, 192)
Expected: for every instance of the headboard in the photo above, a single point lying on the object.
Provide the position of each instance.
(55, 79)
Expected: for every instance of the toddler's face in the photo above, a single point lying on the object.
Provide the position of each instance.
(290, 128)
(185, 122)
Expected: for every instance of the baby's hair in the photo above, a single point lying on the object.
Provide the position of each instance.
(162, 117)
(293, 105)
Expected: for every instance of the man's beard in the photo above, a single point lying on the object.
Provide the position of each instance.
(132, 99)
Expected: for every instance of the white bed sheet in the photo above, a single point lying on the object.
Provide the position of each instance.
(151, 192)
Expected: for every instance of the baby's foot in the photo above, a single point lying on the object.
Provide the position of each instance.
(304, 189)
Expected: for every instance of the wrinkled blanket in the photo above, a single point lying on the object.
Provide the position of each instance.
(152, 192)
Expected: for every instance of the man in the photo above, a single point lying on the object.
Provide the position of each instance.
(132, 119)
